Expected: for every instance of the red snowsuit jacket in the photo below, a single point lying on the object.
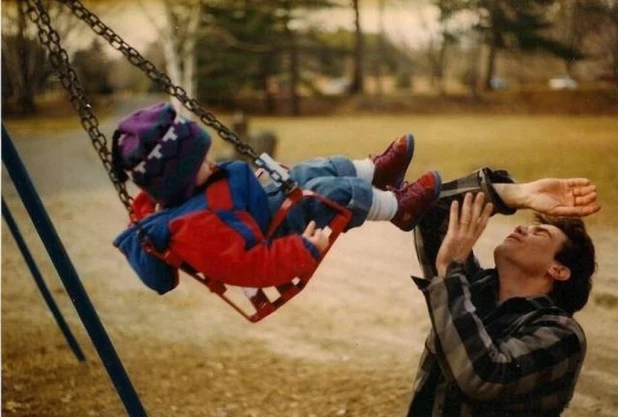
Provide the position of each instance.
(220, 232)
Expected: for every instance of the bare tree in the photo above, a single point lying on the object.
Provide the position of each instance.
(358, 81)
(602, 41)
(448, 10)
(380, 45)
(292, 48)
(178, 37)
(435, 45)
(574, 33)
(523, 25)
(24, 61)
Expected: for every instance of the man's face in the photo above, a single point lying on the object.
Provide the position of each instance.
(531, 248)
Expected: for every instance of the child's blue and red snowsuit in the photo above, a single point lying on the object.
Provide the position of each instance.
(220, 231)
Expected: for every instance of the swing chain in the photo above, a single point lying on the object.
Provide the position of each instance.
(156, 75)
(67, 76)
(59, 59)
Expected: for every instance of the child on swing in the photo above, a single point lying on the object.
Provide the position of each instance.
(215, 216)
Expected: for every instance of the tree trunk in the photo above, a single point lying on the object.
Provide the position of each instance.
(494, 37)
(294, 64)
(7, 81)
(473, 76)
(170, 52)
(571, 8)
(441, 69)
(269, 99)
(615, 64)
(380, 53)
(614, 51)
(180, 53)
(25, 94)
(294, 76)
(491, 61)
(172, 69)
(441, 61)
(188, 50)
(357, 86)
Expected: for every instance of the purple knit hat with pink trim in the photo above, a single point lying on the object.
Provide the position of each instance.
(161, 151)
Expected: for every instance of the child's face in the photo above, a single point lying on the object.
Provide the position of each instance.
(204, 172)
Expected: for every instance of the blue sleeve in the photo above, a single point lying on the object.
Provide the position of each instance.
(152, 271)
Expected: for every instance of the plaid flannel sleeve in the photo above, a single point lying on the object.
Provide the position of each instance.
(430, 232)
(544, 352)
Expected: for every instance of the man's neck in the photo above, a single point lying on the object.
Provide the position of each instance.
(517, 283)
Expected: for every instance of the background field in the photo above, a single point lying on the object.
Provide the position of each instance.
(348, 346)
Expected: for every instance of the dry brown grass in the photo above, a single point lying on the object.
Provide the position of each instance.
(529, 146)
(349, 345)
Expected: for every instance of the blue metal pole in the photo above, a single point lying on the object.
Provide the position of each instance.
(70, 279)
(38, 278)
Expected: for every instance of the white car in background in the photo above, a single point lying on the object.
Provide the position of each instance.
(498, 83)
(563, 83)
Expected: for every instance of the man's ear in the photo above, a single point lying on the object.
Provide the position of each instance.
(559, 272)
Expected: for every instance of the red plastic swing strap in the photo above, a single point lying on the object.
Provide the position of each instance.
(219, 198)
(336, 225)
(294, 197)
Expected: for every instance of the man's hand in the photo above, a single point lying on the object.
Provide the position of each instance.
(562, 197)
(552, 196)
(318, 237)
(463, 231)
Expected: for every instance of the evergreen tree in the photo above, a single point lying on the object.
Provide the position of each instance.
(519, 24)
(250, 43)
(358, 85)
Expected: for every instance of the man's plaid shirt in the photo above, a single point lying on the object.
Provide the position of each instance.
(520, 357)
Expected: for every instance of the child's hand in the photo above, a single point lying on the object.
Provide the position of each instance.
(318, 237)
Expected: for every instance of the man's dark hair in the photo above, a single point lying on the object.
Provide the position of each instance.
(578, 255)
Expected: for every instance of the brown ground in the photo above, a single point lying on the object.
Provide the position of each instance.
(347, 346)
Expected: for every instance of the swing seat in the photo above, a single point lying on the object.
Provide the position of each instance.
(254, 304)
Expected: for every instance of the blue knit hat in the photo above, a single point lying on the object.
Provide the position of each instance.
(162, 152)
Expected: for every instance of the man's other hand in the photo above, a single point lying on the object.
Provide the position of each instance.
(573, 197)
(464, 229)
(562, 197)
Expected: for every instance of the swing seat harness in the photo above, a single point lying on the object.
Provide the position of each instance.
(261, 302)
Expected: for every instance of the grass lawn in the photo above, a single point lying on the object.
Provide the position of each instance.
(529, 146)
(330, 364)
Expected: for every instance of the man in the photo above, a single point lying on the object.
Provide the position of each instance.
(503, 341)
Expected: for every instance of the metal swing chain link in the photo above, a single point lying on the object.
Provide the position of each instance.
(68, 77)
(156, 75)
